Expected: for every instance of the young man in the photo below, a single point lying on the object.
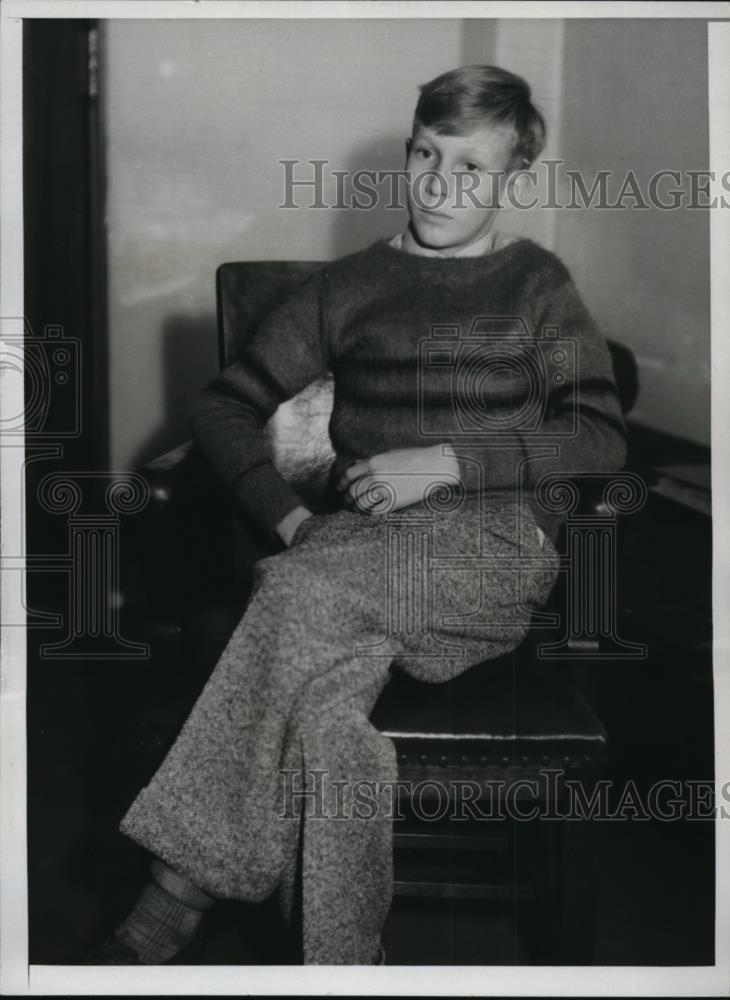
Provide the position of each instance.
(442, 376)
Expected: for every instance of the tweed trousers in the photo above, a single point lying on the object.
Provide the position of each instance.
(278, 781)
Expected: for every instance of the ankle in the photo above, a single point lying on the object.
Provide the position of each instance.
(179, 886)
(159, 926)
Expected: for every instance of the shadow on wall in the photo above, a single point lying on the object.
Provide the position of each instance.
(189, 347)
(356, 228)
(190, 343)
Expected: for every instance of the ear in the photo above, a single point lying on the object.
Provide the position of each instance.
(516, 187)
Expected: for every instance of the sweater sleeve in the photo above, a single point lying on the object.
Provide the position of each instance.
(287, 352)
(582, 427)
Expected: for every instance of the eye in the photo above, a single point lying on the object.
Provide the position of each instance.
(471, 166)
(423, 152)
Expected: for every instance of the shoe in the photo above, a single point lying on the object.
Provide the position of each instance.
(115, 952)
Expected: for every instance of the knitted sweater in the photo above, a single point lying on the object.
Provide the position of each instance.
(495, 354)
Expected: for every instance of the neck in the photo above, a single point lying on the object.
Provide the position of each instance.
(483, 244)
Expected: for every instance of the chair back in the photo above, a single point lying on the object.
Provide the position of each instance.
(248, 291)
(298, 433)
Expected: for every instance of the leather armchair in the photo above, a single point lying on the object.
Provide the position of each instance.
(508, 720)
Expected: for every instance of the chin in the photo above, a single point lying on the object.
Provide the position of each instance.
(433, 239)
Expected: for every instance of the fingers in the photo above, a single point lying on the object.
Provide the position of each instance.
(371, 485)
(379, 493)
(369, 494)
(354, 472)
(360, 494)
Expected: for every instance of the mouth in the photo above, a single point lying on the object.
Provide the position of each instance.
(432, 213)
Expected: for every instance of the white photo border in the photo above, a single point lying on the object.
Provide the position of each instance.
(18, 978)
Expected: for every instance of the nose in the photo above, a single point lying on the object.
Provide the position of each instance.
(434, 184)
(437, 189)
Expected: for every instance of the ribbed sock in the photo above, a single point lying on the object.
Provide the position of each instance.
(166, 916)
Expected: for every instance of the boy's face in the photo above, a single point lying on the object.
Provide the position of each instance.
(455, 183)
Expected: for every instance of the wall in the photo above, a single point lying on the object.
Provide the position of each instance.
(532, 48)
(619, 95)
(199, 114)
(635, 96)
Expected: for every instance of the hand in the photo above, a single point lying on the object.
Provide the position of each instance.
(288, 525)
(399, 478)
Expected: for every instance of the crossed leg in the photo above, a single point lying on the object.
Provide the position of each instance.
(291, 695)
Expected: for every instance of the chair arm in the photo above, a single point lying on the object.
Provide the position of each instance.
(179, 555)
(603, 494)
(163, 473)
(586, 594)
(592, 491)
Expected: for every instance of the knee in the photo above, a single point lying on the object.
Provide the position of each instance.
(299, 593)
(285, 575)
